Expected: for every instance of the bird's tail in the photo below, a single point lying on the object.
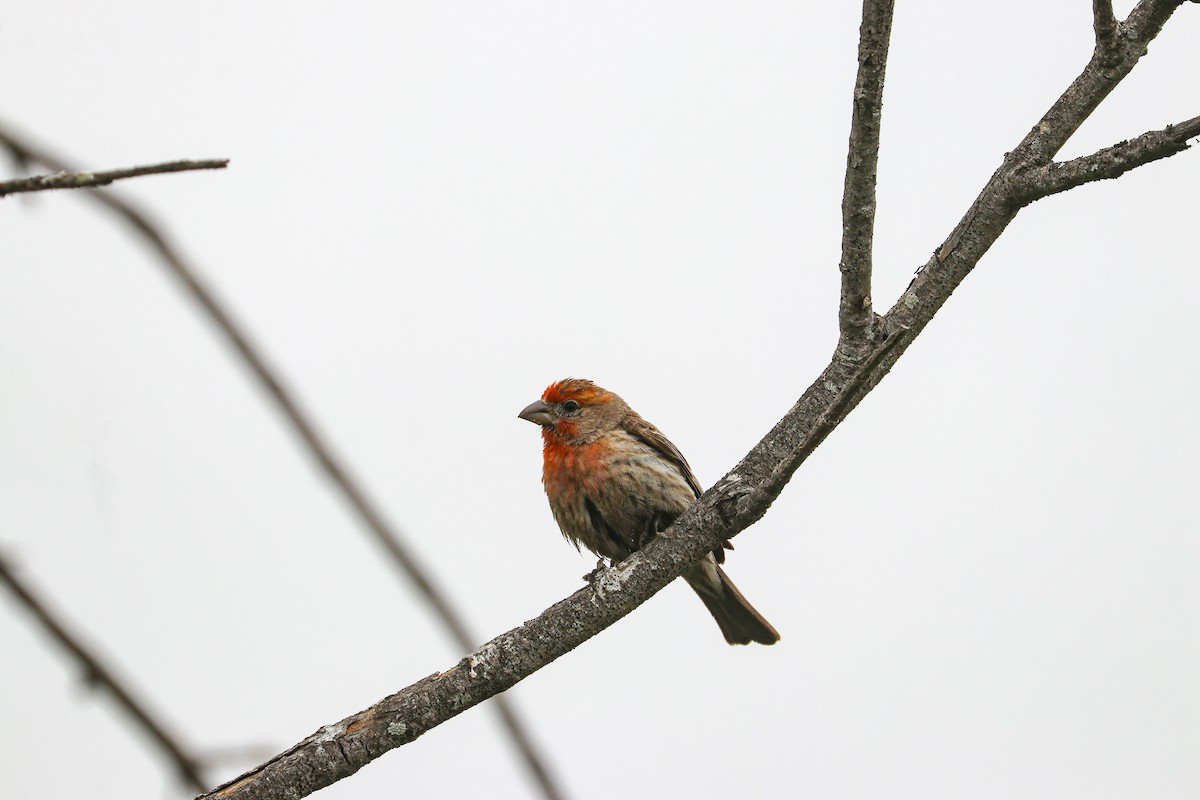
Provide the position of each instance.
(739, 621)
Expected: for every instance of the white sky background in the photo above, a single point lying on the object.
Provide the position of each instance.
(986, 580)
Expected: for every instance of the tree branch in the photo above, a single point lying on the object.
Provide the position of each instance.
(855, 315)
(187, 766)
(363, 506)
(1099, 78)
(507, 659)
(1111, 162)
(89, 180)
(734, 503)
(1104, 23)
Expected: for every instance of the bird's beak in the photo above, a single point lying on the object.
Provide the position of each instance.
(538, 413)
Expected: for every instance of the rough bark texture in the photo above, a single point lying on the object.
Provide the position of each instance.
(1110, 162)
(745, 493)
(855, 315)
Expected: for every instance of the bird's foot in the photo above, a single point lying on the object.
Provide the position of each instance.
(648, 535)
(604, 579)
(594, 575)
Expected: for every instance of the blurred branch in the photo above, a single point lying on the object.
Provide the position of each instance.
(89, 180)
(738, 500)
(855, 315)
(187, 766)
(368, 512)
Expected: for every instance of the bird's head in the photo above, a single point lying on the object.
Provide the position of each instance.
(575, 411)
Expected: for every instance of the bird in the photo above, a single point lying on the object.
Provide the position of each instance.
(614, 481)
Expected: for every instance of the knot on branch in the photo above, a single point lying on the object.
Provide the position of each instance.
(1110, 50)
(859, 339)
(733, 504)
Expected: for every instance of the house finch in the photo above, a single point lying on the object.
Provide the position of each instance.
(614, 482)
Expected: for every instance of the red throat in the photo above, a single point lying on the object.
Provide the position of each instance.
(568, 466)
(561, 432)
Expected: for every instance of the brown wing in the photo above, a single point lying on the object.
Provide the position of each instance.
(608, 542)
(653, 437)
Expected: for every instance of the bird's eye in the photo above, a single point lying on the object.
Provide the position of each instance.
(570, 406)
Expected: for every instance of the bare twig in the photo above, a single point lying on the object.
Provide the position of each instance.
(367, 510)
(855, 315)
(89, 180)
(1088, 90)
(1111, 162)
(734, 503)
(1104, 23)
(187, 766)
(1045, 139)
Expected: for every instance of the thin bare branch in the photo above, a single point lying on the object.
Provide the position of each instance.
(1038, 148)
(1099, 78)
(1103, 20)
(855, 315)
(1111, 162)
(90, 180)
(733, 504)
(1104, 24)
(186, 765)
(364, 507)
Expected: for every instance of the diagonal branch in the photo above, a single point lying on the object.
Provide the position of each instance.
(733, 504)
(855, 316)
(187, 766)
(1111, 162)
(88, 180)
(1099, 78)
(363, 506)
(1037, 149)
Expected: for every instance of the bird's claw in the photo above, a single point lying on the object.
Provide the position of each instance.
(653, 527)
(594, 575)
